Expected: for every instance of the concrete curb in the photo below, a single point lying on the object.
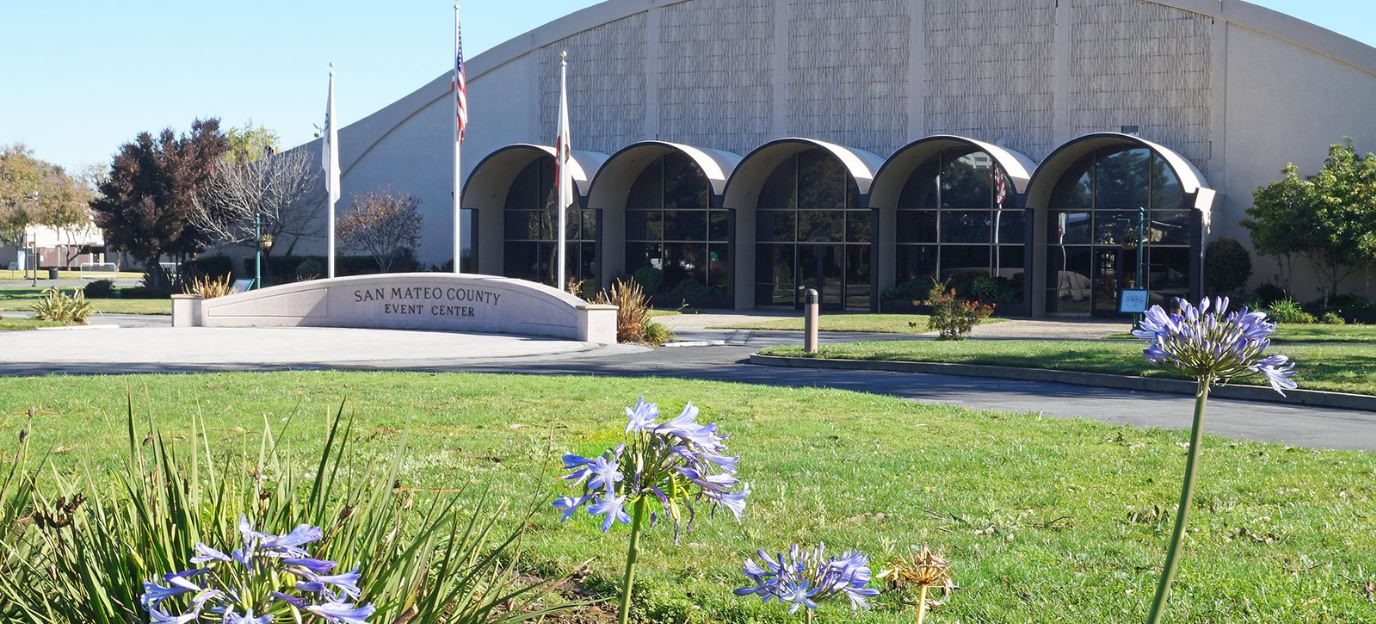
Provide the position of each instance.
(1312, 398)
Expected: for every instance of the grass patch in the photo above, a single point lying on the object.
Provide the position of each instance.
(658, 313)
(865, 323)
(22, 299)
(1045, 520)
(18, 324)
(1309, 333)
(1339, 368)
(6, 274)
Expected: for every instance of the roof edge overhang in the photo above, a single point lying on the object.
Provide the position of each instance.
(716, 165)
(1192, 181)
(583, 163)
(861, 164)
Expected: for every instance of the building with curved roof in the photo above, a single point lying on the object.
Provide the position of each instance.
(1049, 155)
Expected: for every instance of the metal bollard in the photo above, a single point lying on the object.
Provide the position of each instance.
(810, 320)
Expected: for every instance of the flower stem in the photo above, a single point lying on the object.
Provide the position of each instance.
(1163, 588)
(921, 604)
(632, 556)
(810, 615)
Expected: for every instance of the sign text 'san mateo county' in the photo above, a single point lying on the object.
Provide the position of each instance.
(392, 299)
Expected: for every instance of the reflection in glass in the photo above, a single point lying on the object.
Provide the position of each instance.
(530, 229)
(916, 226)
(670, 211)
(966, 226)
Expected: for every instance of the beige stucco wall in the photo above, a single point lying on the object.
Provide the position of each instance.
(1238, 89)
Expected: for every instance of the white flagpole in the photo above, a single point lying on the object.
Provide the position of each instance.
(331, 158)
(565, 176)
(458, 152)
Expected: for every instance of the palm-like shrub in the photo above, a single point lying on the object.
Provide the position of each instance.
(80, 550)
(633, 322)
(210, 287)
(56, 305)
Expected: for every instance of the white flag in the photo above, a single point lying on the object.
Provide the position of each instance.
(330, 162)
(562, 170)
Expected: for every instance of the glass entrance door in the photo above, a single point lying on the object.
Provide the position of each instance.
(821, 267)
(1108, 280)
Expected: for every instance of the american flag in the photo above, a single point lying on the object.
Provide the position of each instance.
(458, 84)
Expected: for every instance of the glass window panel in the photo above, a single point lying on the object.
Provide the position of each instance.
(858, 226)
(590, 223)
(920, 191)
(1069, 286)
(916, 262)
(521, 225)
(637, 225)
(1165, 186)
(965, 226)
(964, 261)
(529, 188)
(1171, 227)
(521, 261)
(774, 275)
(684, 262)
(719, 225)
(641, 255)
(1076, 188)
(779, 191)
(719, 267)
(1116, 227)
(821, 181)
(858, 277)
(685, 186)
(774, 225)
(916, 226)
(967, 181)
(1122, 179)
(1010, 226)
(647, 192)
(819, 267)
(1009, 261)
(821, 225)
(688, 225)
(588, 264)
(1168, 268)
(1067, 228)
(573, 225)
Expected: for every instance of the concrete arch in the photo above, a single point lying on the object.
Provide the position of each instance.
(611, 188)
(742, 193)
(486, 189)
(1037, 199)
(893, 176)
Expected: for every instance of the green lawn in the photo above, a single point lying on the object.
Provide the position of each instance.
(1045, 520)
(22, 299)
(14, 324)
(1312, 333)
(868, 323)
(1340, 368)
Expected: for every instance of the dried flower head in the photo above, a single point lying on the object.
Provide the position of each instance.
(1214, 346)
(920, 568)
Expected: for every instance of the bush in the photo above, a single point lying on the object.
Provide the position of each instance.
(214, 266)
(99, 289)
(309, 269)
(57, 306)
(633, 324)
(88, 547)
(649, 278)
(1268, 293)
(1351, 308)
(1289, 311)
(997, 290)
(911, 290)
(1227, 266)
(210, 287)
(1332, 318)
(952, 316)
(142, 292)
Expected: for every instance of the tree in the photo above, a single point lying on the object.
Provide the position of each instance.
(283, 192)
(34, 192)
(145, 204)
(384, 225)
(251, 143)
(1328, 218)
(1227, 266)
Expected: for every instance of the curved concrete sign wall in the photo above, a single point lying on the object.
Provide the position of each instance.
(427, 301)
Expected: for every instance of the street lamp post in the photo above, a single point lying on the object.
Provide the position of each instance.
(258, 253)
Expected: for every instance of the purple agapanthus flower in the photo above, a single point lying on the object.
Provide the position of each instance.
(1214, 345)
(269, 577)
(803, 579)
(678, 464)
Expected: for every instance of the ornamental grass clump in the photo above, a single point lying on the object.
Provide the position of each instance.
(920, 572)
(805, 579)
(678, 464)
(1213, 346)
(56, 305)
(267, 577)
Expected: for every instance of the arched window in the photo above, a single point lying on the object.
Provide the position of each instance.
(957, 221)
(530, 229)
(1118, 219)
(675, 238)
(812, 232)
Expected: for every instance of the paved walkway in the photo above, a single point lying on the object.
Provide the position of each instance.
(162, 349)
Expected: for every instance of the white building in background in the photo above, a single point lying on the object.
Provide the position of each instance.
(54, 248)
(741, 149)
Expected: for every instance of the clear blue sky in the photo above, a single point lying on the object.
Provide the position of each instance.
(81, 77)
